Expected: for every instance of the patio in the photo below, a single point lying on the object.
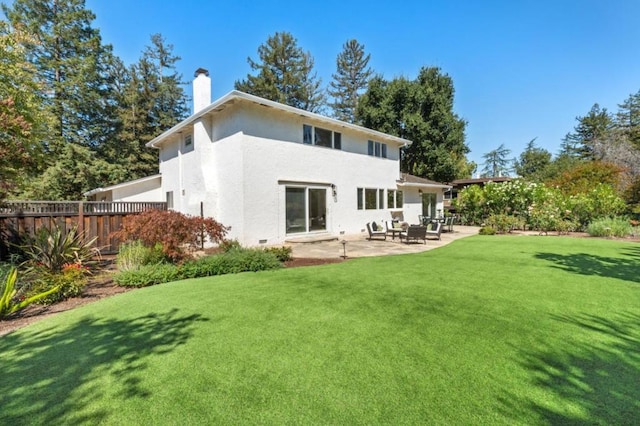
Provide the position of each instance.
(359, 246)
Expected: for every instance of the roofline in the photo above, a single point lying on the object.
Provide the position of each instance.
(237, 95)
(423, 185)
(121, 185)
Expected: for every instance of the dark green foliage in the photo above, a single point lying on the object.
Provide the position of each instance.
(496, 162)
(619, 227)
(421, 111)
(503, 223)
(487, 230)
(230, 262)
(147, 275)
(628, 118)
(228, 245)
(282, 253)
(12, 298)
(351, 78)
(54, 248)
(69, 282)
(284, 74)
(592, 128)
(72, 64)
(532, 162)
(150, 100)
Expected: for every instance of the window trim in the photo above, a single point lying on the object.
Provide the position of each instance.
(309, 137)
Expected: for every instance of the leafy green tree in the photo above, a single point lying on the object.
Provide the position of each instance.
(586, 176)
(532, 162)
(72, 64)
(22, 121)
(421, 111)
(628, 118)
(496, 162)
(592, 128)
(284, 73)
(76, 170)
(349, 81)
(150, 100)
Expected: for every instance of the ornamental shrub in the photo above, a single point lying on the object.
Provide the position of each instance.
(52, 248)
(12, 297)
(231, 262)
(133, 255)
(282, 253)
(618, 227)
(503, 223)
(147, 275)
(179, 234)
(69, 282)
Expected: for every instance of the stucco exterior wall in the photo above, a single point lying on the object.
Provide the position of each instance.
(144, 191)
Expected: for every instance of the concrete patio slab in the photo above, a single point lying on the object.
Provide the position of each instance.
(360, 246)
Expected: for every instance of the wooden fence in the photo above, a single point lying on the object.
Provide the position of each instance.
(96, 219)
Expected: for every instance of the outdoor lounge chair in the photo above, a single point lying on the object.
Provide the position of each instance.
(448, 224)
(414, 233)
(394, 228)
(373, 231)
(434, 229)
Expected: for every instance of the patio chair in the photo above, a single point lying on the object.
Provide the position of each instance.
(394, 228)
(414, 233)
(448, 224)
(375, 232)
(434, 229)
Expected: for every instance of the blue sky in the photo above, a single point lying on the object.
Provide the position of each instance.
(521, 69)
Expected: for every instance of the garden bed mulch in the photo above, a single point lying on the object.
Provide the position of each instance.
(99, 287)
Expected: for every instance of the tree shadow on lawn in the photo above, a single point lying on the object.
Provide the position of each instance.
(594, 380)
(49, 376)
(624, 268)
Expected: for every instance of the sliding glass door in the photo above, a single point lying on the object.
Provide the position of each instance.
(306, 209)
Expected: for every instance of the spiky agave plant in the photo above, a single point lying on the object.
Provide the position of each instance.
(53, 249)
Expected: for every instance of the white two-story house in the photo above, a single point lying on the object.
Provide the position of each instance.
(275, 173)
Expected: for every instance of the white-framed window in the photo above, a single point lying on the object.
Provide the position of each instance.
(321, 137)
(377, 149)
(169, 198)
(394, 199)
(188, 143)
(370, 199)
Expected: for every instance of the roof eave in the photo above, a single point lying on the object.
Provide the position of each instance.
(237, 95)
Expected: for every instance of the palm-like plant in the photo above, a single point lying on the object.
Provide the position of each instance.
(52, 249)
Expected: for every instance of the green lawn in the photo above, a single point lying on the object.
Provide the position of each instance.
(487, 330)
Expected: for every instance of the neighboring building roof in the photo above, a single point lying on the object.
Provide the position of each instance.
(122, 185)
(417, 182)
(481, 181)
(237, 96)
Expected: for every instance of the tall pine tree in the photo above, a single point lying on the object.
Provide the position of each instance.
(350, 80)
(591, 129)
(72, 64)
(627, 119)
(150, 100)
(284, 74)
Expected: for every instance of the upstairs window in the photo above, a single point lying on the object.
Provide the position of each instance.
(377, 149)
(321, 137)
(188, 143)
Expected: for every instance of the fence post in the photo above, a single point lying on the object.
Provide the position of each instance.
(202, 230)
(81, 219)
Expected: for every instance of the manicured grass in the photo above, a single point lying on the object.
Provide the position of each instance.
(487, 330)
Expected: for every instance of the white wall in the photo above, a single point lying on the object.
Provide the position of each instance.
(149, 190)
(241, 159)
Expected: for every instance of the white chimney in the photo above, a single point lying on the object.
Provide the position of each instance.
(201, 90)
